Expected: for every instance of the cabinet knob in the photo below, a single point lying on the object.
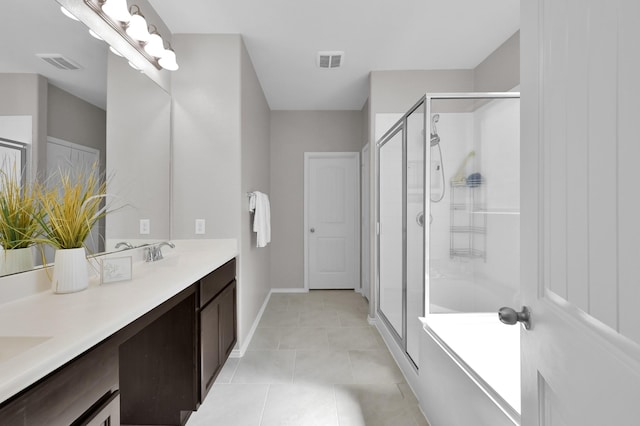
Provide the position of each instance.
(312, 230)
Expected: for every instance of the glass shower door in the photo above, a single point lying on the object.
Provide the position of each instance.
(402, 226)
(391, 252)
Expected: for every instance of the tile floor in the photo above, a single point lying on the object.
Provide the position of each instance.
(314, 360)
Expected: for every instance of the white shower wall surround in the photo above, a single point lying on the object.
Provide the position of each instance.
(456, 284)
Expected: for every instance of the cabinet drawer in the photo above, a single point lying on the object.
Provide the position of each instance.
(216, 281)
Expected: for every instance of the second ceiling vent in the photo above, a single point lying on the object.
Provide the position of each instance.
(334, 59)
(58, 61)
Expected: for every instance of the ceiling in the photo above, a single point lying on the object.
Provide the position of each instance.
(283, 38)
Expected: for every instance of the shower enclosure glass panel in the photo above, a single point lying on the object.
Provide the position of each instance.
(473, 255)
(474, 244)
(391, 231)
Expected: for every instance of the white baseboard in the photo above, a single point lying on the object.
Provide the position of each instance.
(289, 290)
(239, 352)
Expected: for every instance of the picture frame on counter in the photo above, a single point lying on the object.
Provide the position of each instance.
(116, 269)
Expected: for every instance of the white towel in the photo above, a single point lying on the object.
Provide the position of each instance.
(259, 204)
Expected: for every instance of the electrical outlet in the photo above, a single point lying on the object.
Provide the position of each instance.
(199, 226)
(145, 226)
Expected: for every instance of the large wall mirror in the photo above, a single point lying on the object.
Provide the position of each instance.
(102, 110)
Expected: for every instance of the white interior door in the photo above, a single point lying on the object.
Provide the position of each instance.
(332, 257)
(580, 210)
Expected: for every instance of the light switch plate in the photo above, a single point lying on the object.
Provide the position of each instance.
(145, 226)
(200, 226)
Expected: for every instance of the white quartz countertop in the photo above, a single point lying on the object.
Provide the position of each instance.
(41, 332)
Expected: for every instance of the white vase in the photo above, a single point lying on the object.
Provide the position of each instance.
(16, 260)
(70, 273)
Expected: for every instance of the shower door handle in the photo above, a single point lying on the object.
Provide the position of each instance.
(510, 316)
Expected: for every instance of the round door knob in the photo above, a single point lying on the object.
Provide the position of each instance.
(312, 230)
(510, 316)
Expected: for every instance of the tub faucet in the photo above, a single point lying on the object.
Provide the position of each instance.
(124, 244)
(154, 252)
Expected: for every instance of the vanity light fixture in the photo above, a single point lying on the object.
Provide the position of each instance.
(132, 26)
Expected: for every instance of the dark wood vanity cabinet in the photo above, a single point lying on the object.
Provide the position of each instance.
(158, 369)
(217, 323)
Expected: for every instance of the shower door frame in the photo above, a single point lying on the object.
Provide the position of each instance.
(401, 125)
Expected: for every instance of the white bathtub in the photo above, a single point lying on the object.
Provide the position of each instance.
(470, 370)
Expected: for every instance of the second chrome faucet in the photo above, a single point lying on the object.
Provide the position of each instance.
(154, 252)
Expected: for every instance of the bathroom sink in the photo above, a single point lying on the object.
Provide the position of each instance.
(11, 346)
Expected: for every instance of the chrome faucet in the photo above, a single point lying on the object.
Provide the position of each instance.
(154, 252)
(124, 244)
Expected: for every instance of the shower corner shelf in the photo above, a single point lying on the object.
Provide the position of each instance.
(467, 231)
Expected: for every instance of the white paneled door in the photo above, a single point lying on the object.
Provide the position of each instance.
(332, 257)
(581, 212)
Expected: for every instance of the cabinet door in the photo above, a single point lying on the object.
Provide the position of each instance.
(209, 345)
(227, 301)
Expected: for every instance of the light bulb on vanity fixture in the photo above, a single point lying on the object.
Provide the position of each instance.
(94, 35)
(68, 14)
(137, 28)
(154, 46)
(116, 10)
(168, 60)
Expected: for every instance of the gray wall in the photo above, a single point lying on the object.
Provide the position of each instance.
(206, 135)
(74, 120)
(221, 152)
(292, 134)
(26, 94)
(256, 176)
(138, 153)
(365, 123)
(500, 71)
(397, 91)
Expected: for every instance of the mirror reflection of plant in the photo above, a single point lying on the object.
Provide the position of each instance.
(20, 215)
(72, 208)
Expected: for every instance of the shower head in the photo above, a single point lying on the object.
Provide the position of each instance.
(435, 139)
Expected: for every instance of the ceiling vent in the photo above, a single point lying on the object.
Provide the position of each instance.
(58, 61)
(330, 59)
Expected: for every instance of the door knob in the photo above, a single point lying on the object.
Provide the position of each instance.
(510, 316)
(312, 230)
